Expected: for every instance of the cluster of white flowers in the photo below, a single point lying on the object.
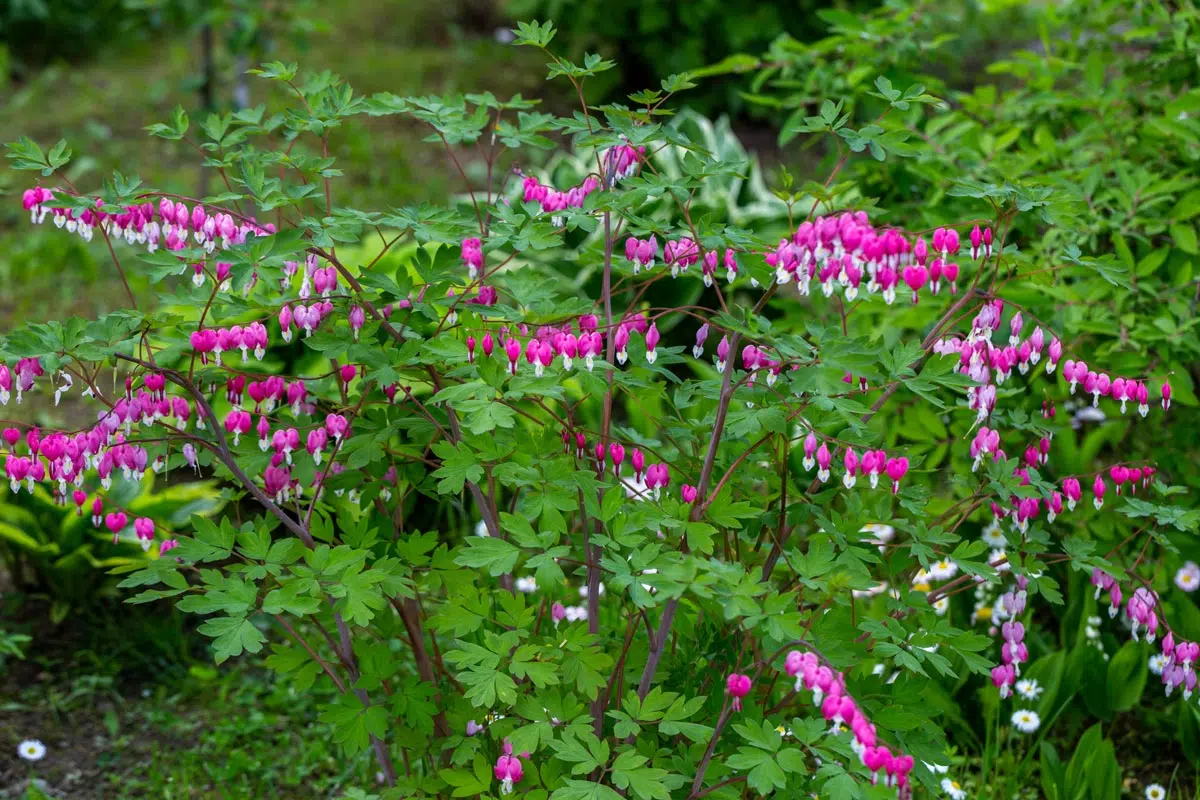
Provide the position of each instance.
(583, 590)
(1092, 632)
(576, 613)
(985, 606)
(942, 570)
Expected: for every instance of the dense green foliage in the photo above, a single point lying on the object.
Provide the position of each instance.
(649, 39)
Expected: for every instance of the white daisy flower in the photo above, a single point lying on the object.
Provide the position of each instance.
(953, 789)
(1026, 721)
(922, 576)
(872, 592)
(1157, 662)
(1188, 577)
(528, 584)
(635, 489)
(995, 556)
(1155, 792)
(994, 538)
(31, 750)
(1028, 688)
(883, 533)
(941, 605)
(943, 570)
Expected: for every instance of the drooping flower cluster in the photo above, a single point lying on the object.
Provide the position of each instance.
(828, 689)
(1013, 652)
(553, 201)
(215, 341)
(169, 225)
(847, 250)
(872, 464)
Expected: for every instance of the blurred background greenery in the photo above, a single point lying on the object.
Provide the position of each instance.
(1096, 98)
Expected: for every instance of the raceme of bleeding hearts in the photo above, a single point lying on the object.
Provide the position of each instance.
(568, 421)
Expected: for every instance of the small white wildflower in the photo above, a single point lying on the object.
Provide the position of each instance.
(994, 538)
(1188, 577)
(943, 570)
(1155, 792)
(995, 556)
(31, 750)
(636, 489)
(528, 584)
(940, 769)
(1028, 688)
(883, 533)
(583, 590)
(1157, 662)
(953, 789)
(1026, 721)
(481, 528)
(576, 613)
(872, 592)
(941, 605)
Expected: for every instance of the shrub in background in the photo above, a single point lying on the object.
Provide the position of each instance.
(655, 38)
(54, 548)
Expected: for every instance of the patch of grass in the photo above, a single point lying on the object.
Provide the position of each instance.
(101, 109)
(194, 733)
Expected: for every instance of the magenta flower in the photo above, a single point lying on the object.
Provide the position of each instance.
(652, 339)
(508, 771)
(824, 459)
(850, 459)
(897, 468)
(638, 460)
(810, 449)
(616, 453)
(738, 686)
